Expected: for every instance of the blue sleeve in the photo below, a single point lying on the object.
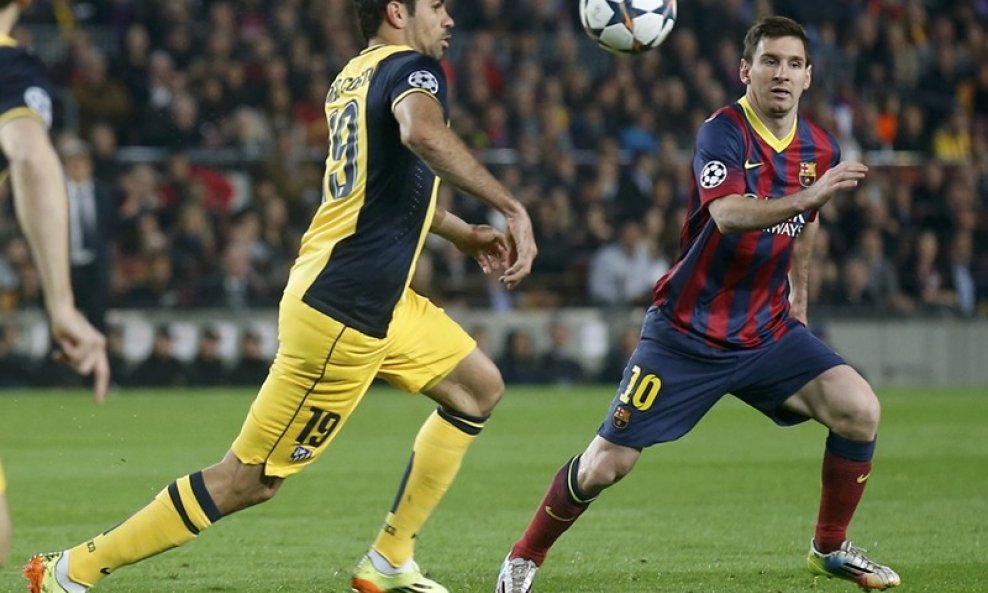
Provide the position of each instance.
(24, 87)
(718, 163)
(413, 72)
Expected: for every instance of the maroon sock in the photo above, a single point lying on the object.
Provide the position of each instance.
(843, 484)
(562, 505)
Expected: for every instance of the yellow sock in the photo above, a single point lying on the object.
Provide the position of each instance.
(436, 456)
(174, 517)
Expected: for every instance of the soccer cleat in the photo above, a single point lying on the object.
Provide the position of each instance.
(516, 575)
(48, 573)
(850, 563)
(367, 579)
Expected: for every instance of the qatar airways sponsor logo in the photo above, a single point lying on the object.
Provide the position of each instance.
(789, 228)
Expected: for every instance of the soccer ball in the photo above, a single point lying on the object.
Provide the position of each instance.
(628, 26)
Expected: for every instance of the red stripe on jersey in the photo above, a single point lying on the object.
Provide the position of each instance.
(762, 298)
(685, 300)
(720, 307)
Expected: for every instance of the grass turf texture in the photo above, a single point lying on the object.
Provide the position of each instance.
(730, 508)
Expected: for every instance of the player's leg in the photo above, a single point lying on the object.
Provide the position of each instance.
(176, 516)
(577, 484)
(798, 378)
(319, 375)
(428, 353)
(843, 401)
(4, 520)
(667, 387)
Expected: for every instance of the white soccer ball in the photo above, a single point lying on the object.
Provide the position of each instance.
(628, 26)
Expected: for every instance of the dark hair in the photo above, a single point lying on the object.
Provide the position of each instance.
(370, 14)
(774, 27)
(4, 3)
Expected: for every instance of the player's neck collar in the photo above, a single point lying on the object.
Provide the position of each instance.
(7, 40)
(777, 144)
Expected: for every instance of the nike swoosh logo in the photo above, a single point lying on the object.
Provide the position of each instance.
(548, 511)
(750, 165)
(104, 570)
(862, 478)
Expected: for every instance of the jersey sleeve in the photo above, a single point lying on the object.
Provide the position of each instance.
(812, 215)
(416, 73)
(24, 89)
(718, 163)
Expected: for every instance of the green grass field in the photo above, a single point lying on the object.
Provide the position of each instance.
(730, 508)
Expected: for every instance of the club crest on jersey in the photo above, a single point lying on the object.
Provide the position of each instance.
(423, 79)
(807, 173)
(621, 418)
(299, 454)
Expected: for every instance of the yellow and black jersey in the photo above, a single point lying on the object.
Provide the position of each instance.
(24, 88)
(359, 252)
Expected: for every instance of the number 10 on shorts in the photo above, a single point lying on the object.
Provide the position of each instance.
(646, 389)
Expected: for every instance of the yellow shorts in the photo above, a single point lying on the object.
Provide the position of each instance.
(323, 369)
(3, 480)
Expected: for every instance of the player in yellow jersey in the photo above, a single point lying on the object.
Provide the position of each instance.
(348, 316)
(28, 158)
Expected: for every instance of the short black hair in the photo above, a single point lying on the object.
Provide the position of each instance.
(370, 14)
(774, 27)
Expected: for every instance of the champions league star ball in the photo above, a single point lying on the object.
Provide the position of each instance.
(628, 26)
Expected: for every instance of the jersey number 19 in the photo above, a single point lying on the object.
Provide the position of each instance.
(343, 122)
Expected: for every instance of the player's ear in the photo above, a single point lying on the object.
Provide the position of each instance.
(395, 13)
(809, 76)
(744, 72)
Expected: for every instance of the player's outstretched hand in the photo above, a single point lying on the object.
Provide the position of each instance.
(488, 246)
(83, 348)
(521, 248)
(843, 177)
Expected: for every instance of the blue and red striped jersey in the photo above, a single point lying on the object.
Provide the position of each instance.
(732, 289)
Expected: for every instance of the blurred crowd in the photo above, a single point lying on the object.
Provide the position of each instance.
(597, 146)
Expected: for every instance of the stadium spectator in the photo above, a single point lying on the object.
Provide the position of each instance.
(927, 279)
(16, 368)
(572, 120)
(92, 227)
(519, 363)
(160, 368)
(623, 273)
(119, 365)
(558, 363)
(208, 367)
(252, 365)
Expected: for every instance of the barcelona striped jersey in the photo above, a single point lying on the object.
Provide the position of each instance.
(732, 290)
(24, 88)
(359, 253)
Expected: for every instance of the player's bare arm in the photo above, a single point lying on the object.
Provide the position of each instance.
(736, 213)
(424, 132)
(799, 273)
(42, 210)
(482, 242)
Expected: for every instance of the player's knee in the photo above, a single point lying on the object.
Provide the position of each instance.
(486, 390)
(859, 419)
(600, 471)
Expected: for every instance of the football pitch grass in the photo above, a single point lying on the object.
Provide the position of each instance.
(730, 508)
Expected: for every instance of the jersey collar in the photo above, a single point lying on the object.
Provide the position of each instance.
(777, 144)
(7, 41)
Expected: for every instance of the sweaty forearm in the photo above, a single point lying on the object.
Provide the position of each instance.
(736, 213)
(450, 159)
